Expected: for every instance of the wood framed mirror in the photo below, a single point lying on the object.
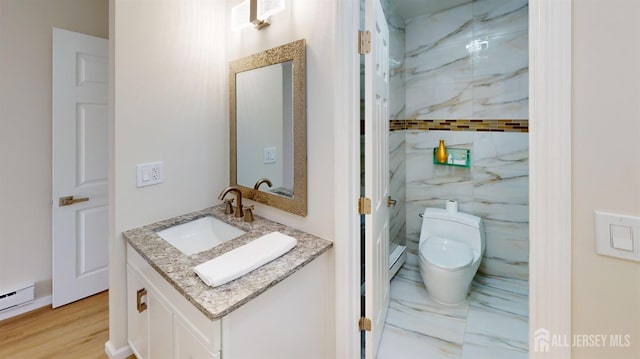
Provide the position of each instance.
(268, 154)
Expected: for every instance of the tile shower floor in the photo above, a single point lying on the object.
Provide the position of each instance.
(492, 323)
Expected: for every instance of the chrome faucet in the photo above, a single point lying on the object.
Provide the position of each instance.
(238, 212)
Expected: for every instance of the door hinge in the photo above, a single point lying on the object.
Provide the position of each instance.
(364, 205)
(364, 42)
(364, 324)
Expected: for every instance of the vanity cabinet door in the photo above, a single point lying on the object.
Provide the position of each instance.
(137, 320)
(187, 345)
(160, 330)
(150, 323)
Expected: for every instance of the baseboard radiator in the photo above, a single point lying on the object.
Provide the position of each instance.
(20, 295)
(396, 260)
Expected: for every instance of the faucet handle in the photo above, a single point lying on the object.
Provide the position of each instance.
(228, 208)
(248, 213)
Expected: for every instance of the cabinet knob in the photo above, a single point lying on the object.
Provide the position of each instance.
(142, 306)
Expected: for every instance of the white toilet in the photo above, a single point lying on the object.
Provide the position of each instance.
(451, 247)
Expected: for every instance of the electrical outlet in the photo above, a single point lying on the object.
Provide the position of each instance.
(149, 173)
(155, 173)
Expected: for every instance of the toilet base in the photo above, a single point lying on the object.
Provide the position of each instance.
(448, 287)
(453, 303)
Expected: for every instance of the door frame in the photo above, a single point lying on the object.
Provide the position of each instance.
(549, 181)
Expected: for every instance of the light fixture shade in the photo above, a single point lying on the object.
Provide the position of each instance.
(267, 8)
(240, 16)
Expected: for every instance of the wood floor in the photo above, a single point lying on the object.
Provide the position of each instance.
(76, 330)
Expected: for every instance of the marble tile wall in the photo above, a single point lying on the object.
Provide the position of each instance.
(446, 79)
(397, 189)
(396, 139)
(494, 188)
(396, 63)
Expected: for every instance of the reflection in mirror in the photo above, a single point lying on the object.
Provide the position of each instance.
(268, 127)
(264, 124)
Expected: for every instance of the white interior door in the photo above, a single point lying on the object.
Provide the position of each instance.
(376, 175)
(80, 166)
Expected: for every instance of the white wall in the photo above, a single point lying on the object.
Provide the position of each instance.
(606, 168)
(167, 78)
(25, 130)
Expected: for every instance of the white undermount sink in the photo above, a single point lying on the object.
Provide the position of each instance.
(199, 235)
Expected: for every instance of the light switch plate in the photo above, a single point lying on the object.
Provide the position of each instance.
(270, 155)
(618, 235)
(149, 173)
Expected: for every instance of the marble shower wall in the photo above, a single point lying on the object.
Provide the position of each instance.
(397, 176)
(397, 189)
(396, 61)
(439, 79)
(446, 79)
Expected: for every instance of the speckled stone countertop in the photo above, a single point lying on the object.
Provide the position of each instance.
(214, 303)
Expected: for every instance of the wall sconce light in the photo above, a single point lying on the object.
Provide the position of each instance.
(257, 12)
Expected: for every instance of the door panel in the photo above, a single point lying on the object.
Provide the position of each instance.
(376, 175)
(91, 70)
(80, 166)
(91, 248)
(92, 144)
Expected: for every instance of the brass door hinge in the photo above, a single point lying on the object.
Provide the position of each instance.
(364, 324)
(364, 42)
(364, 205)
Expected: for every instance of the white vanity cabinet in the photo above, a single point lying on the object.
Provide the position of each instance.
(161, 322)
(292, 319)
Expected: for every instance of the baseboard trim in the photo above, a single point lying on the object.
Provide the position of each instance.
(24, 308)
(120, 353)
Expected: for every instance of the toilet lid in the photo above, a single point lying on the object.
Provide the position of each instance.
(446, 253)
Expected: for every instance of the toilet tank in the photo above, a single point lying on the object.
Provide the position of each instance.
(458, 226)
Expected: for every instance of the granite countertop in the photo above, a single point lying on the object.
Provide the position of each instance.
(214, 303)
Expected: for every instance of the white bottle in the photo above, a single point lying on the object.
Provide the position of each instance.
(450, 159)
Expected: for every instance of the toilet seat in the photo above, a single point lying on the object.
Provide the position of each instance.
(446, 253)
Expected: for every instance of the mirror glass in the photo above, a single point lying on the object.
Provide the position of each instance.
(268, 127)
(264, 124)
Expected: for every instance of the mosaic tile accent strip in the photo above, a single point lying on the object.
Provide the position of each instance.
(397, 125)
(461, 125)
